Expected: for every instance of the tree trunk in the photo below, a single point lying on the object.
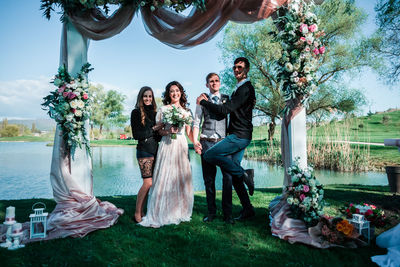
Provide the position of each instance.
(271, 130)
(100, 131)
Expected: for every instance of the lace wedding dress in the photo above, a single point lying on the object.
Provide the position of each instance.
(170, 198)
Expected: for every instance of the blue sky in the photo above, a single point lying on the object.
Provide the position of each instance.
(30, 56)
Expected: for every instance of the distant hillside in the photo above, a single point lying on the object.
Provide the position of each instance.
(41, 124)
(373, 128)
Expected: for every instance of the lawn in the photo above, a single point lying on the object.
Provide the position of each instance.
(196, 243)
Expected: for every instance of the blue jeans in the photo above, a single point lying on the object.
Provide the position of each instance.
(233, 146)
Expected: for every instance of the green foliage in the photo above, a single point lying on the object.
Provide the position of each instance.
(82, 7)
(107, 107)
(10, 130)
(388, 18)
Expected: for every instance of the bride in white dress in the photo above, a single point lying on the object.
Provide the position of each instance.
(171, 196)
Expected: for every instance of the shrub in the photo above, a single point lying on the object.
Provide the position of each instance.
(385, 119)
(10, 130)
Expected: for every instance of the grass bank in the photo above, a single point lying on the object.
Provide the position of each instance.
(195, 243)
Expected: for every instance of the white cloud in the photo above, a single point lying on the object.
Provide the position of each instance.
(22, 98)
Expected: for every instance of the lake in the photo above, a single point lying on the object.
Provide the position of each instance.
(25, 171)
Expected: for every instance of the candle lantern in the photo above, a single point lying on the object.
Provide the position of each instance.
(362, 225)
(38, 225)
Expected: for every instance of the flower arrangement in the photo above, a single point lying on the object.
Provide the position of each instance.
(70, 105)
(81, 6)
(373, 214)
(305, 195)
(337, 230)
(302, 49)
(176, 117)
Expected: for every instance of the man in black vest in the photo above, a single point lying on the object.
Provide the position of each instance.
(229, 152)
(213, 130)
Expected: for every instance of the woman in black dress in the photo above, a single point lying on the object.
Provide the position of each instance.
(144, 130)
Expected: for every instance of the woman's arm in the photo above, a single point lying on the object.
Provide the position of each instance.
(189, 133)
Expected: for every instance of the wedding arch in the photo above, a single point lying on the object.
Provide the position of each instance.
(71, 177)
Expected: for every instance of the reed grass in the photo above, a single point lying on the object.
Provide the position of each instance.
(330, 150)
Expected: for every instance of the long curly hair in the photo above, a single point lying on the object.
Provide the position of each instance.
(140, 104)
(167, 98)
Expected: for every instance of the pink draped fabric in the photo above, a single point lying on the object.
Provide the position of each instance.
(179, 31)
(96, 26)
(78, 212)
(174, 29)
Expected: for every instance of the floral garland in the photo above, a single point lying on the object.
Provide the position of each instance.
(82, 6)
(302, 50)
(70, 105)
(305, 195)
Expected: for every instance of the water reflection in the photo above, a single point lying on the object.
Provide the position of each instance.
(116, 172)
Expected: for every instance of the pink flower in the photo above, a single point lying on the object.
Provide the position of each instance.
(71, 95)
(65, 94)
(304, 28)
(322, 49)
(302, 39)
(312, 28)
(351, 205)
(307, 49)
(73, 110)
(302, 197)
(85, 96)
(61, 89)
(316, 51)
(306, 188)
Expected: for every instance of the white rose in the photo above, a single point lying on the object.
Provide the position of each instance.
(80, 104)
(289, 66)
(296, 66)
(73, 104)
(306, 69)
(78, 113)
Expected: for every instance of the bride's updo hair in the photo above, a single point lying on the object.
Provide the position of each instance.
(167, 98)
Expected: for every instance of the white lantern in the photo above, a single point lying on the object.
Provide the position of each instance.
(38, 221)
(362, 225)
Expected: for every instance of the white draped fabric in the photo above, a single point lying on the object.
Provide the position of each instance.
(390, 240)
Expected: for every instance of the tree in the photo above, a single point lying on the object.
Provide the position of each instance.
(98, 95)
(388, 20)
(346, 51)
(4, 123)
(10, 130)
(107, 108)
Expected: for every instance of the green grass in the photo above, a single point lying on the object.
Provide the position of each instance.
(113, 142)
(28, 138)
(194, 243)
(367, 128)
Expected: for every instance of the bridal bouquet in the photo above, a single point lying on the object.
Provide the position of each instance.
(302, 49)
(69, 105)
(373, 214)
(176, 117)
(305, 195)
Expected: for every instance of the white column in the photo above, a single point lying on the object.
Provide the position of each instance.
(298, 139)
